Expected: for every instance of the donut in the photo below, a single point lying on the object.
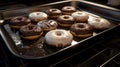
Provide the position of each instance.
(30, 32)
(65, 20)
(48, 25)
(80, 16)
(68, 10)
(98, 22)
(53, 13)
(58, 38)
(37, 16)
(81, 30)
(18, 21)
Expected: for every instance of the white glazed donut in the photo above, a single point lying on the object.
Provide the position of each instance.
(98, 22)
(80, 16)
(38, 16)
(59, 38)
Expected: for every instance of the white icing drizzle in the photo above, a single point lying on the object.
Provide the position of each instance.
(58, 37)
(37, 15)
(80, 15)
(98, 23)
(47, 23)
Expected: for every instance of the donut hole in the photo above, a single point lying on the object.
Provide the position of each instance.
(81, 26)
(58, 33)
(68, 8)
(53, 10)
(37, 13)
(66, 17)
(19, 18)
(30, 27)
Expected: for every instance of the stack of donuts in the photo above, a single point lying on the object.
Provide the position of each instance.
(80, 23)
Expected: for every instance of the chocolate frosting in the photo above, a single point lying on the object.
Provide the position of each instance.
(53, 12)
(81, 28)
(29, 30)
(65, 19)
(20, 20)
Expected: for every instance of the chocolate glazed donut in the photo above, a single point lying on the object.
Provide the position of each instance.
(65, 20)
(53, 13)
(68, 10)
(17, 22)
(82, 30)
(30, 32)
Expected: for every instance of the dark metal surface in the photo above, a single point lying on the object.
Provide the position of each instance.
(104, 2)
(102, 10)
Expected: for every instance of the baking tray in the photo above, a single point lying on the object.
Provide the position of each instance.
(106, 51)
(14, 42)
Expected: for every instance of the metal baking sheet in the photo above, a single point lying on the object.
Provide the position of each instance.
(38, 49)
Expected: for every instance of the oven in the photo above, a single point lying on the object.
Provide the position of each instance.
(101, 50)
